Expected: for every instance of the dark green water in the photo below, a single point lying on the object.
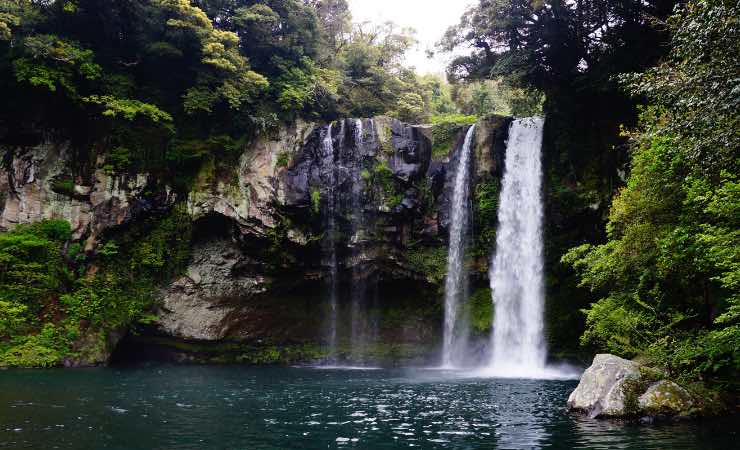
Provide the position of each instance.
(246, 408)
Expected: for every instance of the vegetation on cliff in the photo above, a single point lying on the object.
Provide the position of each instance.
(667, 277)
(642, 201)
(58, 304)
(663, 278)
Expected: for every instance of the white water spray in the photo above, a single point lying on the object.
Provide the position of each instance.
(454, 329)
(357, 301)
(327, 147)
(517, 269)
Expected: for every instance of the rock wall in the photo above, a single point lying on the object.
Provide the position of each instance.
(258, 272)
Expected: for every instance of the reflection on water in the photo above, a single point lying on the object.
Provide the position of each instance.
(303, 408)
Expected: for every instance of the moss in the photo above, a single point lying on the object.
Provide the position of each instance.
(231, 352)
(63, 186)
(284, 159)
(485, 215)
(430, 261)
(480, 310)
(386, 141)
(445, 131)
(633, 388)
(380, 182)
(316, 200)
(92, 349)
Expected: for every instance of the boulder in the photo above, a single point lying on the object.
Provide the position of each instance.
(665, 397)
(601, 392)
(201, 305)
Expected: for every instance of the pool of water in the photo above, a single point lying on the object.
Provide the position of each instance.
(176, 407)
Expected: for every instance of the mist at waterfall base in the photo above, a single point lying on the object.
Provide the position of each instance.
(517, 348)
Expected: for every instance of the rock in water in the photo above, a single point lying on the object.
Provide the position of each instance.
(665, 397)
(601, 390)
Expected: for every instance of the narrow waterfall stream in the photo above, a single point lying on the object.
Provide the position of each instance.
(330, 243)
(516, 272)
(358, 338)
(343, 160)
(455, 330)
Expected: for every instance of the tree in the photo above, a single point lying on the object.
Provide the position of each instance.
(669, 276)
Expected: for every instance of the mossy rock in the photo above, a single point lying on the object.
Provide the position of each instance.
(665, 397)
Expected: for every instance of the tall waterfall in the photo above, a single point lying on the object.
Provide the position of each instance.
(455, 330)
(516, 273)
(358, 338)
(327, 148)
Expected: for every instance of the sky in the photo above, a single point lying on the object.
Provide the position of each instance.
(430, 19)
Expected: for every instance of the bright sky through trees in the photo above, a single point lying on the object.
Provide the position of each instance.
(430, 19)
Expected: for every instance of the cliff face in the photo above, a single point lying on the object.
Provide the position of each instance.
(355, 211)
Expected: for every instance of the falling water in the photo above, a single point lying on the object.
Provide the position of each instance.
(454, 329)
(517, 270)
(328, 156)
(359, 286)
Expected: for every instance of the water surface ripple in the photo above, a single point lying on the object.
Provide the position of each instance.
(167, 407)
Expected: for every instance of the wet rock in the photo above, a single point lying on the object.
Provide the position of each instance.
(412, 152)
(601, 391)
(239, 284)
(492, 134)
(665, 397)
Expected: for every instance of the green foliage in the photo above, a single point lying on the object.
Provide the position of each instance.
(697, 88)
(486, 97)
(64, 186)
(32, 271)
(53, 62)
(127, 108)
(486, 197)
(453, 118)
(446, 130)
(315, 201)
(30, 354)
(380, 182)
(411, 108)
(12, 318)
(43, 306)
(668, 276)
(229, 77)
(429, 261)
(283, 159)
(123, 287)
(32, 274)
(480, 310)
(9, 19)
(118, 160)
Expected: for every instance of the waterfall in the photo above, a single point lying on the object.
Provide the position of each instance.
(327, 150)
(516, 272)
(359, 286)
(455, 330)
